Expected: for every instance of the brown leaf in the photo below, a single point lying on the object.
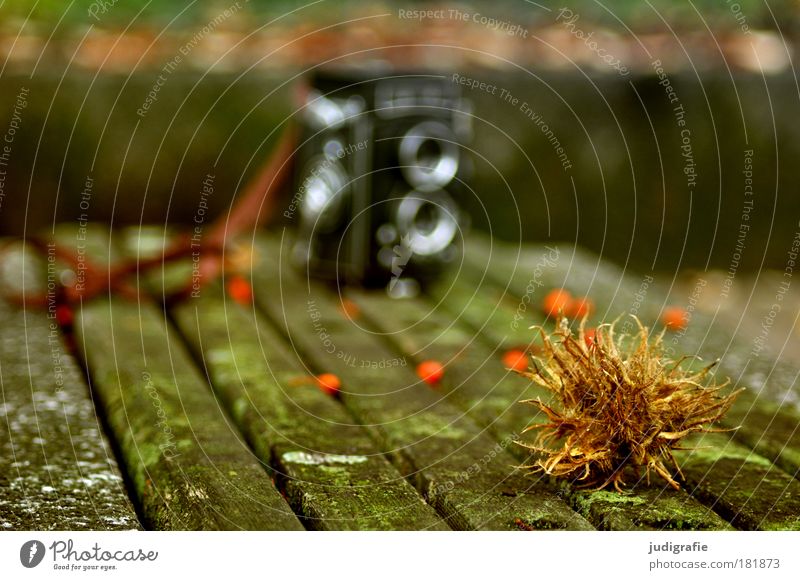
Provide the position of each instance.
(618, 405)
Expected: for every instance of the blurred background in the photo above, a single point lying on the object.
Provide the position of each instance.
(663, 110)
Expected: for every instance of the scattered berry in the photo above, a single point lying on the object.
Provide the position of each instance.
(240, 290)
(430, 371)
(589, 337)
(349, 308)
(64, 315)
(556, 301)
(579, 307)
(674, 318)
(516, 360)
(329, 383)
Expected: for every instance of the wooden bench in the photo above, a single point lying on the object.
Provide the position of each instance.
(207, 415)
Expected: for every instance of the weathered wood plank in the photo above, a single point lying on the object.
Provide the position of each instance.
(188, 467)
(56, 470)
(477, 381)
(328, 468)
(769, 428)
(746, 488)
(464, 474)
(767, 415)
(475, 377)
(613, 293)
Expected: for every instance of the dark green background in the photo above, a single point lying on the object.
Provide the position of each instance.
(629, 199)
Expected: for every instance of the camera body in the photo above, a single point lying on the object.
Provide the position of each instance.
(380, 169)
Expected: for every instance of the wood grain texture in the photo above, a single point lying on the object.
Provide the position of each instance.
(57, 471)
(766, 415)
(479, 383)
(329, 468)
(743, 486)
(189, 468)
(186, 447)
(614, 293)
(466, 475)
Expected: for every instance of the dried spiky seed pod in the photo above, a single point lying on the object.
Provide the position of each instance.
(618, 403)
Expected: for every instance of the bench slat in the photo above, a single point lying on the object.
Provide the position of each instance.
(613, 293)
(188, 467)
(743, 486)
(329, 469)
(56, 470)
(767, 418)
(462, 472)
(767, 414)
(476, 379)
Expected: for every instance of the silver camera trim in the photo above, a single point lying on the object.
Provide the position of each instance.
(445, 230)
(444, 170)
(335, 182)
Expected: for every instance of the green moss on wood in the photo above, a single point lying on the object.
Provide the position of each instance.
(56, 470)
(466, 475)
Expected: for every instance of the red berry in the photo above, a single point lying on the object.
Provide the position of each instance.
(240, 290)
(515, 360)
(579, 307)
(350, 309)
(64, 315)
(674, 318)
(589, 337)
(430, 371)
(329, 383)
(556, 301)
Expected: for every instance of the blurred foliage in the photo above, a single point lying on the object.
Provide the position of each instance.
(620, 14)
(626, 195)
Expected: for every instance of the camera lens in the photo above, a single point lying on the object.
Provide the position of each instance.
(325, 187)
(427, 221)
(322, 112)
(429, 155)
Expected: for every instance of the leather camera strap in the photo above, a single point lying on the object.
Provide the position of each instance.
(255, 205)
